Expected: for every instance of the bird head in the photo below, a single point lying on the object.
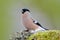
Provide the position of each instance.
(24, 10)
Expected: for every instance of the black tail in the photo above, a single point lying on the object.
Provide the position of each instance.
(40, 25)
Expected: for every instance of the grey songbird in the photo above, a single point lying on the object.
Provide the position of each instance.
(27, 11)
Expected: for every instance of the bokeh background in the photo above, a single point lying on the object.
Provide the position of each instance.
(47, 12)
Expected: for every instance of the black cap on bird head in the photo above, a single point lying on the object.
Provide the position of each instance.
(24, 10)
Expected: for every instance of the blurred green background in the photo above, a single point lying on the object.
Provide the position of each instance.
(51, 7)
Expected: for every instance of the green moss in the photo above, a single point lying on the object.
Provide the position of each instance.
(46, 35)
